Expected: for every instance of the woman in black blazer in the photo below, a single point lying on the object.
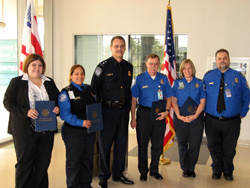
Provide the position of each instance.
(33, 149)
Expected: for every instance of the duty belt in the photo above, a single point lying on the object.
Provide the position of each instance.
(223, 118)
(114, 104)
(145, 107)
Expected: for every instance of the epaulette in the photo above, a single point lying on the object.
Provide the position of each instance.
(179, 78)
(86, 85)
(199, 79)
(207, 72)
(163, 74)
(68, 88)
(103, 63)
(140, 74)
(242, 74)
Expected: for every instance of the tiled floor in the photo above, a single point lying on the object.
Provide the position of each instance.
(171, 173)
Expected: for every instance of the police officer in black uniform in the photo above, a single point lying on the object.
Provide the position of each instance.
(111, 83)
(78, 142)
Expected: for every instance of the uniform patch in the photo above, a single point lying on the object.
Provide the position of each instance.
(62, 97)
(181, 85)
(98, 71)
(196, 85)
(129, 73)
(236, 80)
(162, 82)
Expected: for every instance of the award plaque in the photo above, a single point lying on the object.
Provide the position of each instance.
(46, 120)
(158, 107)
(189, 107)
(94, 114)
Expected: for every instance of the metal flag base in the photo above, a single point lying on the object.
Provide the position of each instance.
(164, 161)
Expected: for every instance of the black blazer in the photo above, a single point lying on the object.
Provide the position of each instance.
(16, 101)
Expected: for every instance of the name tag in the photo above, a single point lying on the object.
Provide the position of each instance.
(71, 95)
(144, 86)
(211, 83)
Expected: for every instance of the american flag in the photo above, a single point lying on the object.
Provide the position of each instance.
(30, 41)
(169, 68)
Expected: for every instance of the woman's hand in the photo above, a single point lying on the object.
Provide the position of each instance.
(32, 113)
(56, 110)
(190, 118)
(86, 123)
(162, 115)
(182, 118)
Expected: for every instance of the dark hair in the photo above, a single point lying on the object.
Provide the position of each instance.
(30, 58)
(221, 50)
(73, 68)
(152, 56)
(117, 37)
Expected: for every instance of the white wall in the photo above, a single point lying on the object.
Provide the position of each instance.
(210, 25)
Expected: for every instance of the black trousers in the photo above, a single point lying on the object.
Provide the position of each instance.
(222, 137)
(189, 137)
(79, 156)
(146, 130)
(33, 158)
(115, 122)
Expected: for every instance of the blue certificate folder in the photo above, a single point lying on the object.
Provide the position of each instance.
(46, 120)
(158, 107)
(189, 107)
(94, 114)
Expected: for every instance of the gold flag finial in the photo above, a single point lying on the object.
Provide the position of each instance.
(169, 2)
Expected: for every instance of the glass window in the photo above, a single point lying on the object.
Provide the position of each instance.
(92, 49)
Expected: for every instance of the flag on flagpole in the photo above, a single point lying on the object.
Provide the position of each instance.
(30, 41)
(169, 68)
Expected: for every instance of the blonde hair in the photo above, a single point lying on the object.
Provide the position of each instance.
(182, 66)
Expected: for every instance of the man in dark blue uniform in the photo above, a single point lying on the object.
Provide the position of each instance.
(227, 103)
(150, 86)
(111, 83)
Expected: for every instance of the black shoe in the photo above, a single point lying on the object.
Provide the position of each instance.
(124, 180)
(157, 176)
(103, 184)
(143, 177)
(185, 174)
(228, 177)
(192, 174)
(216, 175)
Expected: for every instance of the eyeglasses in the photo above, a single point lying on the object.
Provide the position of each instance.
(155, 64)
(117, 46)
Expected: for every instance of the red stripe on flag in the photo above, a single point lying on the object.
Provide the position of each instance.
(36, 45)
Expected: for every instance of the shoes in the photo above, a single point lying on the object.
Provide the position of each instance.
(103, 184)
(185, 174)
(192, 174)
(157, 176)
(143, 177)
(216, 175)
(228, 177)
(124, 180)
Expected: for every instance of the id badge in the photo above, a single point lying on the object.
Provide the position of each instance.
(160, 95)
(71, 95)
(228, 93)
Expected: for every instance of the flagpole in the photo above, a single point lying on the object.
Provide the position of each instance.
(163, 160)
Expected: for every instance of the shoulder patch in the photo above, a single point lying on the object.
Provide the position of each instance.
(98, 71)
(62, 97)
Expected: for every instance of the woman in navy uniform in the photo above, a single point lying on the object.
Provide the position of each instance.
(79, 144)
(33, 149)
(189, 129)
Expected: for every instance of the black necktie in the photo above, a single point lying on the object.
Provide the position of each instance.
(221, 101)
(122, 95)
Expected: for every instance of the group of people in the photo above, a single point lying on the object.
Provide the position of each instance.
(223, 96)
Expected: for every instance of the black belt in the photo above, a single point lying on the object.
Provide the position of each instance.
(223, 118)
(114, 104)
(145, 107)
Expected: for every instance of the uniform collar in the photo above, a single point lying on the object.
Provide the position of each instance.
(192, 81)
(27, 78)
(218, 71)
(147, 75)
(77, 86)
(115, 61)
